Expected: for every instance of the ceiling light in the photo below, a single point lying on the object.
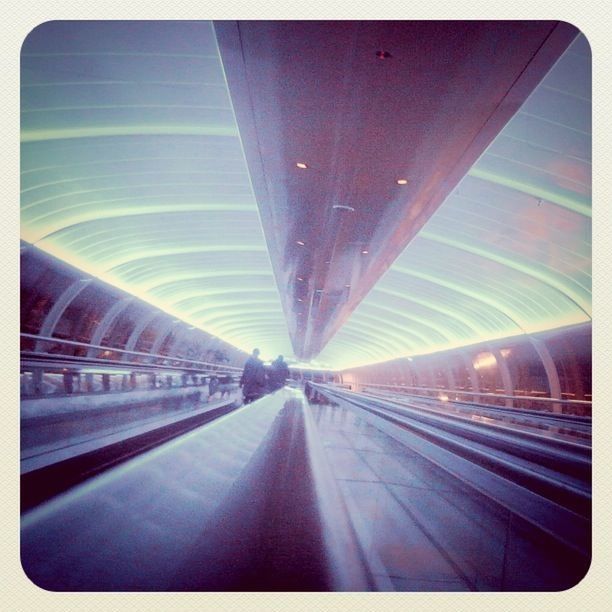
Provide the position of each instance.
(364, 252)
(343, 207)
(300, 242)
(300, 278)
(300, 300)
(301, 165)
(402, 181)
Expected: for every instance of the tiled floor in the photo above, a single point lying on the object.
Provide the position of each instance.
(420, 528)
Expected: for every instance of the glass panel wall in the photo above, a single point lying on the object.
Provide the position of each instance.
(571, 354)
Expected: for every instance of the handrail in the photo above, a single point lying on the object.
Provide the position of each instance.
(551, 400)
(118, 350)
(46, 360)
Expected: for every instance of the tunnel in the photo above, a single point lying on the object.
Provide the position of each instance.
(306, 306)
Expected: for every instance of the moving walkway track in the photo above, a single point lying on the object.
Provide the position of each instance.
(244, 502)
(47, 474)
(254, 489)
(571, 457)
(546, 481)
(564, 425)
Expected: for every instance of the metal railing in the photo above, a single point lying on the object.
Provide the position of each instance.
(548, 404)
(110, 349)
(44, 373)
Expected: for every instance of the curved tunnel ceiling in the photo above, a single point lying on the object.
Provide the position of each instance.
(134, 170)
(384, 119)
(509, 251)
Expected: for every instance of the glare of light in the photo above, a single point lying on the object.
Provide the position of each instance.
(443, 397)
(301, 165)
(33, 135)
(300, 242)
(484, 360)
(402, 181)
(103, 371)
(364, 252)
(312, 365)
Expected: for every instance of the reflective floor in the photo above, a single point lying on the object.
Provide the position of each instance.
(287, 479)
(424, 530)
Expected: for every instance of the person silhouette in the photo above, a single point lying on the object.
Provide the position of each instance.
(253, 379)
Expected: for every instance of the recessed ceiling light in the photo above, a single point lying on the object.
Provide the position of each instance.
(402, 181)
(300, 300)
(347, 286)
(300, 278)
(300, 242)
(365, 252)
(301, 165)
(343, 207)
